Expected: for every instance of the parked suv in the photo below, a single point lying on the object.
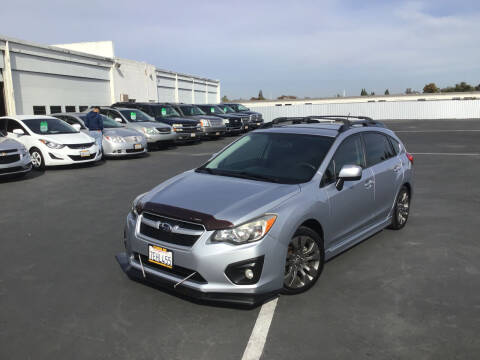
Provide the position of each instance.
(14, 157)
(264, 214)
(212, 126)
(256, 119)
(186, 129)
(157, 133)
(232, 122)
(245, 117)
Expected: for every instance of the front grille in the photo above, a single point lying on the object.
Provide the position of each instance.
(170, 237)
(11, 170)
(80, 146)
(8, 159)
(163, 130)
(129, 151)
(81, 158)
(176, 270)
(216, 123)
(187, 129)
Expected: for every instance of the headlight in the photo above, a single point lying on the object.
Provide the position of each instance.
(249, 232)
(226, 121)
(115, 139)
(51, 144)
(150, 131)
(137, 205)
(177, 127)
(205, 122)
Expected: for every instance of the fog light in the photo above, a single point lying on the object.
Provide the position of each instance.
(249, 274)
(245, 272)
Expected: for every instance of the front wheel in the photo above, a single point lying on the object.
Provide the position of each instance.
(37, 159)
(401, 209)
(304, 262)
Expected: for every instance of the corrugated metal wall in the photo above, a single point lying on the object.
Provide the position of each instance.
(443, 109)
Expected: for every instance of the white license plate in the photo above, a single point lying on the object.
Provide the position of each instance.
(258, 124)
(193, 135)
(160, 256)
(137, 146)
(217, 133)
(246, 127)
(84, 153)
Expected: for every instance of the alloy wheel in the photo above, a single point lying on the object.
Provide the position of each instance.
(403, 207)
(36, 159)
(303, 261)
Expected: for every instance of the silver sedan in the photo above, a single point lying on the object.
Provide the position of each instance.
(118, 141)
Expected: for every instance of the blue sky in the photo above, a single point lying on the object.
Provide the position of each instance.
(303, 48)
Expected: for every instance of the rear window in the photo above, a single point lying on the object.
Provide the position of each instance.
(377, 148)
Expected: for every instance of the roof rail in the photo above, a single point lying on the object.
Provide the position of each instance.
(312, 119)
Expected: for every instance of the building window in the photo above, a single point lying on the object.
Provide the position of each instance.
(82, 108)
(39, 110)
(55, 109)
(70, 108)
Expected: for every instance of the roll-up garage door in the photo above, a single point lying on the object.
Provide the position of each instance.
(166, 94)
(185, 96)
(37, 89)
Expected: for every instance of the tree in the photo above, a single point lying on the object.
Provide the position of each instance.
(431, 88)
(225, 99)
(260, 95)
(363, 92)
(372, 93)
(387, 92)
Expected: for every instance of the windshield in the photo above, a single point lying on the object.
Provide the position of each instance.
(240, 107)
(190, 110)
(133, 115)
(227, 109)
(49, 126)
(165, 111)
(212, 109)
(274, 157)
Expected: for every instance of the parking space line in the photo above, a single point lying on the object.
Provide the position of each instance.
(452, 154)
(255, 345)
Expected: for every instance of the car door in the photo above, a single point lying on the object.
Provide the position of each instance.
(387, 171)
(351, 207)
(26, 139)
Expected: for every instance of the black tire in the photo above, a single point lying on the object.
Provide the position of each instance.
(401, 209)
(38, 161)
(296, 261)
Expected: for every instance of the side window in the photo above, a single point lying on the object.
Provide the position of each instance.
(350, 152)
(107, 113)
(69, 120)
(377, 148)
(12, 125)
(116, 115)
(396, 145)
(55, 109)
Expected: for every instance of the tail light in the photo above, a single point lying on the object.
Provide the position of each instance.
(410, 157)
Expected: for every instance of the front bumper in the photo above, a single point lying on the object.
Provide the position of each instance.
(189, 136)
(214, 131)
(22, 166)
(67, 156)
(210, 261)
(162, 137)
(123, 149)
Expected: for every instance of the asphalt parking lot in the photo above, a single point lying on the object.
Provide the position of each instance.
(409, 294)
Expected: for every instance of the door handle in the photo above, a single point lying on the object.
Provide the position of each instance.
(368, 184)
(397, 168)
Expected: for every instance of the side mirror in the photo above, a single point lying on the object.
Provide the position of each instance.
(18, 132)
(118, 120)
(76, 127)
(348, 173)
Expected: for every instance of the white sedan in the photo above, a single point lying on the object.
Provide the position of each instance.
(51, 141)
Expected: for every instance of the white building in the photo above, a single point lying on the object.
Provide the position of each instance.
(38, 79)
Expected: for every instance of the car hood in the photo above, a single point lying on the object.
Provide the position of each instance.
(148, 124)
(121, 132)
(177, 120)
(75, 138)
(9, 144)
(206, 117)
(225, 198)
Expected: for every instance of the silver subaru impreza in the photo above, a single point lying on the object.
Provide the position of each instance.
(263, 215)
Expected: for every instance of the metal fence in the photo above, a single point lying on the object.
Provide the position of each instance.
(402, 110)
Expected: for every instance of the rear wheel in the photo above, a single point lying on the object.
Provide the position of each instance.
(304, 262)
(37, 159)
(401, 209)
